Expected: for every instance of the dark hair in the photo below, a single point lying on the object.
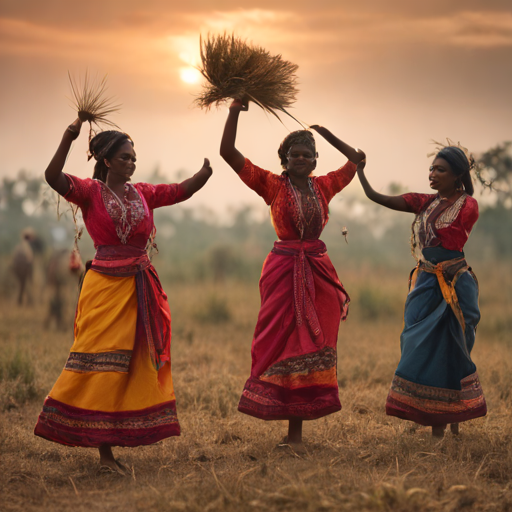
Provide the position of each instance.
(460, 165)
(304, 137)
(103, 146)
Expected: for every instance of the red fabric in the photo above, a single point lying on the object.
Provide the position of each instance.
(87, 195)
(293, 351)
(154, 323)
(454, 236)
(274, 189)
(277, 335)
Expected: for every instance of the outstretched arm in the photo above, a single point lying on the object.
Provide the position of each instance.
(53, 173)
(228, 150)
(354, 155)
(393, 202)
(197, 182)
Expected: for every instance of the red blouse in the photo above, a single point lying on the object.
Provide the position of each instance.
(287, 206)
(441, 223)
(110, 222)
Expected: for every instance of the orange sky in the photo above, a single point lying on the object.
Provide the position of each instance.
(386, 76)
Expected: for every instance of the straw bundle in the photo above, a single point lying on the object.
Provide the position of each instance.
(90, 102)
(234, 69)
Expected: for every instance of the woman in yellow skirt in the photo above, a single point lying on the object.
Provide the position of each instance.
(116, 387)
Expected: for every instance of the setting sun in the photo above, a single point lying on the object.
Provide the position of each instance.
(189, 75)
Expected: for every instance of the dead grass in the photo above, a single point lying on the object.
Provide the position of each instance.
(356, 460)
(232, 68)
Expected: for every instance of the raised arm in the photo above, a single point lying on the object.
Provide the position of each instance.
(392, 202)
(197, 182)
(53, 173)
(228, 150)
(354, 155)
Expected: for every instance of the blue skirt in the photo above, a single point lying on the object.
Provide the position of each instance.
(436, 382)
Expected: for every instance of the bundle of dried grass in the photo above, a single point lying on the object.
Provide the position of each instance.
(235, 69)
(90, 102)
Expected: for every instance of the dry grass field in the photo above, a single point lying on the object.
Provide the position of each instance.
(358, 459)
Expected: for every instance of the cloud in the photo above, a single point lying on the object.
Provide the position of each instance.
(328, 34)
(481, 29)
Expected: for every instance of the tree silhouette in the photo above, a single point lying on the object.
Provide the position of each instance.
(494, 171)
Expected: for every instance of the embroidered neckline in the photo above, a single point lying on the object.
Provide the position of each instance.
(424, 230)
(125, 217)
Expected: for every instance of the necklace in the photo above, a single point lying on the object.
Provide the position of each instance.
(312, 205)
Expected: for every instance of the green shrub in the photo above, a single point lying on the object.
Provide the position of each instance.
(214, 311)
(17, 381)
(374, 304)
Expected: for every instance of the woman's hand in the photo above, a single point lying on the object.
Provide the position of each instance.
(198, 181)
(361, 164)
(362, 156)
(74, 128)
(207, 168)
(238, 105)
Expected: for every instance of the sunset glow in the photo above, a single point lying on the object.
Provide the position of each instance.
(190, 75)
(385, 76)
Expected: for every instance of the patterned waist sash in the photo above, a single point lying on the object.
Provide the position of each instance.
(120, 260)
(448, 273)
(153, 316)
(303, 283)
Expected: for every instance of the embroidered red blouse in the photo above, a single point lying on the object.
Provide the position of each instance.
(110, 223)
(441, 223)
(278, 192)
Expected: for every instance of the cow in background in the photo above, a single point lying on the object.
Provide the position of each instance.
(22, 263)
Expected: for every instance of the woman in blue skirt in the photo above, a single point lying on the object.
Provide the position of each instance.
(436, 382)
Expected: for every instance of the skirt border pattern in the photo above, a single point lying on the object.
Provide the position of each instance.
(82, 362)
(73, 426)
(431, 406)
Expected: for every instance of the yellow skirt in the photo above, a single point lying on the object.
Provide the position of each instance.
(109, 391)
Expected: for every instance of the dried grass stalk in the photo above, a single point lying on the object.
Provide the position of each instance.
(91, 103)
(234, 69)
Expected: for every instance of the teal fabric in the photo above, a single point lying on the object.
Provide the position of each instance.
(435, 350)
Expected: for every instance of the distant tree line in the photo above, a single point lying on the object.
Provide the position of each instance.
(192, 246)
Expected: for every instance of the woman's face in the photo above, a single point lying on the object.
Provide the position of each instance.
(123, 162)
(301, 160)
(441, 176)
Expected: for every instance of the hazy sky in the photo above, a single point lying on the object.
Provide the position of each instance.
(386, 76)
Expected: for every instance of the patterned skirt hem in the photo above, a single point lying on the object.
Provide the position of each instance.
(73, 426)
(432, 419)
(285, 413)
(267, 401)
(432, 406)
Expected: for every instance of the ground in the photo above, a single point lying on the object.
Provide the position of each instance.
(358, 459)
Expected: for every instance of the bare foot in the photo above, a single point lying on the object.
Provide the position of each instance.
(107, 461)
(297, 448)
(454, 427)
